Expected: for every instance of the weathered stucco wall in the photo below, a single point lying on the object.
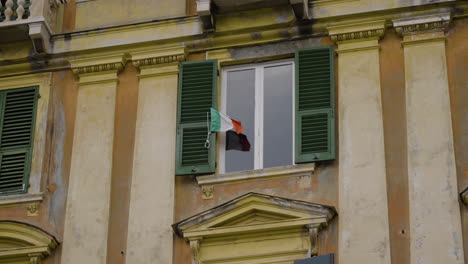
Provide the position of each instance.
(457, 61)
(124, 139)
(56, 163)
(152, 191)
(88, 201)
(149, 219)
(432, 180)
(103, 13)
(392, 81)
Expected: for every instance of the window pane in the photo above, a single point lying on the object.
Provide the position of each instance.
(240, 105)
(277, 119)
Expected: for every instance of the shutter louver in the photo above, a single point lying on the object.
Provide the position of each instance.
(197, 94)
(315, 122)
(17, 127)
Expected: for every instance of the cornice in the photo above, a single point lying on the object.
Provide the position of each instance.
(422, 24)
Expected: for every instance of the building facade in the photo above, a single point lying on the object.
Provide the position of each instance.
(356, 114)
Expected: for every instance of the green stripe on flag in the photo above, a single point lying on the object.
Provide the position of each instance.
(215, 120)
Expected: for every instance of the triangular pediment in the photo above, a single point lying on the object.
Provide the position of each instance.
(254, 212)
(254, 217)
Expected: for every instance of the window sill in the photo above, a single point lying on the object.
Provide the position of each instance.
(257, 175)
(17, 199)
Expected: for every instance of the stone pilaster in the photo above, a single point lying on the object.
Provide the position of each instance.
(152, 192)
(363, 210)
(435, 222)
(87, 211)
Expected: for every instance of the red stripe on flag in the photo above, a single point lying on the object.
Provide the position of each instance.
(237, 126)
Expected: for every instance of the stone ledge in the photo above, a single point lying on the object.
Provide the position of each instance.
(19, 199)
(257, 175)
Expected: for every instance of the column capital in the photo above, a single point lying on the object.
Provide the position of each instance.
(99, 68)
(152, 62)
(154, 57)
(357, 36)
(425, 27)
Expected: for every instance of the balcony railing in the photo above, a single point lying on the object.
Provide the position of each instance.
(12, 10)
(34, 20)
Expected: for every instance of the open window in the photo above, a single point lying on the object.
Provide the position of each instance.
(286, 107)
(261, 96)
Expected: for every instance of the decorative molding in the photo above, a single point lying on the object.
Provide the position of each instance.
(422, 24)
(366, 34)
(195, 249)
(207, 192)
(423, 28)
(35, 259)
(100, 68)
(351, 32)
(313, 233)
(257, 175)
(159, 60)
(33, 209)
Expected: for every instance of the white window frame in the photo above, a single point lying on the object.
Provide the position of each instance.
(259, 105)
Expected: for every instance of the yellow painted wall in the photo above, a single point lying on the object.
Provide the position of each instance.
(103, 13)
(239, 29)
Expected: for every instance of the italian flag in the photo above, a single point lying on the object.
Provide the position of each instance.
(221, 122)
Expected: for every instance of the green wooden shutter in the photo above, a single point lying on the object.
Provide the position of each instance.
(18, 110)
(315, 104)
(197, 94)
